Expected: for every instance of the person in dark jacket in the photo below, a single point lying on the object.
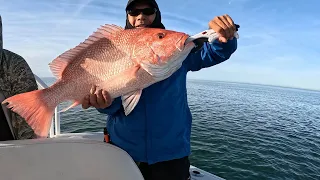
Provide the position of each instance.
(157, 132)
(15, 77)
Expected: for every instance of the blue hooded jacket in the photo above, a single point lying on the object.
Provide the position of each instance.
(159, 127)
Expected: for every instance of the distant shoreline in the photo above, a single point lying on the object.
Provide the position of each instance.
(232, 82)
(256, 84)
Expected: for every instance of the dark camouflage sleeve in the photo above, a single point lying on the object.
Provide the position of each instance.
(22, 80)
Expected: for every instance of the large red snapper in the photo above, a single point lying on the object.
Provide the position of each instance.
(122, 62)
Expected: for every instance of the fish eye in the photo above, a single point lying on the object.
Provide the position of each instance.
(161, 35)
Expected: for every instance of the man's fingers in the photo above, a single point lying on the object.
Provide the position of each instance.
(218, 26)
(93, 100)
(222, 39)
(228, 29)
(85, 102)
(232, 26)
(107, 98)
(93, 89)
(93, 97)
(229, 19)
(100, 99)
(224, 26)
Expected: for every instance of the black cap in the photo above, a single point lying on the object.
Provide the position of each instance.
(152, 3)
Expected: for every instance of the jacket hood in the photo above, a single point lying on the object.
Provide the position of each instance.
(157, 21)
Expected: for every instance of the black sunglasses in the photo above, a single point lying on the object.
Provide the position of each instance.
(145, 11)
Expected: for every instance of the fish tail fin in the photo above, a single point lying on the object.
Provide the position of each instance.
(35, 108)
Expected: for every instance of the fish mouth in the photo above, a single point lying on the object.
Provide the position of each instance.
(183, 42)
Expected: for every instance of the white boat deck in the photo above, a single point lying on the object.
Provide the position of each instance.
(196, 173)
(81, 156)
(74, 156)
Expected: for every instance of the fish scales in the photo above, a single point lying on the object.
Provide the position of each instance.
(121, 62)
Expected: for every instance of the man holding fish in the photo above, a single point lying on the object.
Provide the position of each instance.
(137, 76)
(157, 132)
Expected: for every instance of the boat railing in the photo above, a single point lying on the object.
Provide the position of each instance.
(55, 123)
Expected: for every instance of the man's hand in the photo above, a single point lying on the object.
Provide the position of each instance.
(224, 26)
(101, 99)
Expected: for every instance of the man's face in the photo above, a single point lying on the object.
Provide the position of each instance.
(141, 15)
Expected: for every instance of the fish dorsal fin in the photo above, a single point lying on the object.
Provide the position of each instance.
(58, 65)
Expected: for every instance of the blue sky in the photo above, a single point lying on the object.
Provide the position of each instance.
(278, 42)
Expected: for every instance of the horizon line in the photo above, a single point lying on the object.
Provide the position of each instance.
(238, 82)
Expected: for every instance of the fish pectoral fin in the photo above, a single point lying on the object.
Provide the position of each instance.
(75, 103)
(134, 70)
(130, 100)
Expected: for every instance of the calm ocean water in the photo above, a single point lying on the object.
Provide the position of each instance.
(242, 131)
